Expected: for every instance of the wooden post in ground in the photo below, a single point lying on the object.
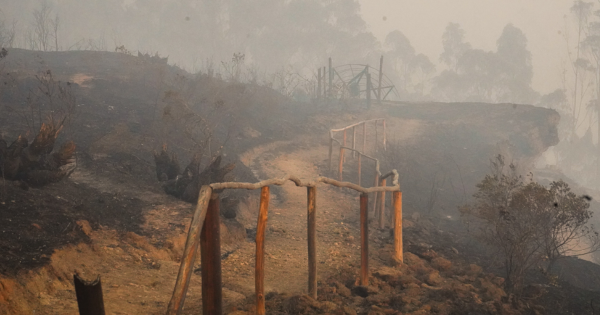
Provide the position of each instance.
(364, 239)
(319, 84)
(398, 254)
(379, 98)
(89, 296)
(382, 205)
(312, 240)
(341, 165)
(259, 270)
(189, 253)
(210, 249)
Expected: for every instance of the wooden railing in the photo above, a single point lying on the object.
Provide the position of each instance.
(204, 232)
(361, 153)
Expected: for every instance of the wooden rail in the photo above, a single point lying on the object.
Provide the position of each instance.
(204, 231)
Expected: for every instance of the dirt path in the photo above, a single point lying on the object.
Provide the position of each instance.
(286, 268)
(138, 272)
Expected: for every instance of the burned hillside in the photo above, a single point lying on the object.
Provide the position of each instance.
(112, 217)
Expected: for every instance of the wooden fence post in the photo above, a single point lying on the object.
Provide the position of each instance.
(398, 254)
(364, 239)
(89, 296)
(210, 249)
(382, 205)
(189, 253)
(259, 271)
(312, 240)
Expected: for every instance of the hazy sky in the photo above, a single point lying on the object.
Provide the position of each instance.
(424, 21)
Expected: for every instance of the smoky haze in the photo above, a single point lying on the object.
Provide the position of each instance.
(200, 35)
(534, 52)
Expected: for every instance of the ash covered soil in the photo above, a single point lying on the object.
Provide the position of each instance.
(112, 218)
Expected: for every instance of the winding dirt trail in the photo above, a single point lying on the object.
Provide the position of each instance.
(138, 276)
(286, 265)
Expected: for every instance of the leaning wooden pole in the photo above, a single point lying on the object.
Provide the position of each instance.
(259, 272)
(89, 296)
(382, 205)
(210, 249)
(364, 239)
(189, 253)
(398, 254)
(312, 240)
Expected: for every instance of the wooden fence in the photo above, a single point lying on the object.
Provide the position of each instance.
(204, 232)
(361, 154)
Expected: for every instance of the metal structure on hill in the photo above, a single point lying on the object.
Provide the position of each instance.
(355, 81)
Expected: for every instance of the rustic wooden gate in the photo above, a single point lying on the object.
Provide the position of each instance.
(204, 233)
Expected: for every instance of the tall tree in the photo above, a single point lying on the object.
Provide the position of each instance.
(485, 76)
(454, 45)
(410, 70)
(517, 73)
